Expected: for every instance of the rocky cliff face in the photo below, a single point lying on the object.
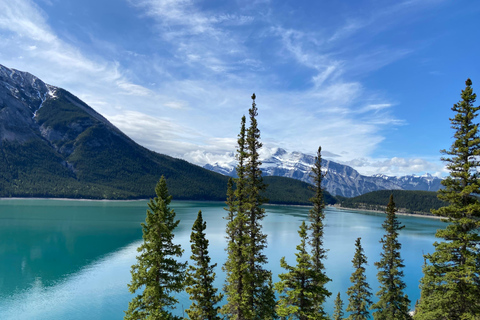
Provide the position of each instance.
(339, 179)
(21, 95)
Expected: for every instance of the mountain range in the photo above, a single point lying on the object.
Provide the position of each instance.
(339, 180)
(52, 144)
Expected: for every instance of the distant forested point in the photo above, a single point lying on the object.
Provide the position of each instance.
(419, 202)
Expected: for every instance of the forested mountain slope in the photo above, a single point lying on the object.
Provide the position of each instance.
(405, 200)
(54, 145)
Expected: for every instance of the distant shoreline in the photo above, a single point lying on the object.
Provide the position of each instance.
(397, 213)
(72, 199)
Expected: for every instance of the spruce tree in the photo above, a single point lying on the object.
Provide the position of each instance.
(259, 287)
(248, 286)
(359, 295)
(393, 304)
(302, 288)
(451, 283)
(235, 267)
(316, 218)
(200, 276)
(157, 270)
(338, 311)
(298, 287)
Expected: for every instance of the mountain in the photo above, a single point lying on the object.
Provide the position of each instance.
(52, 144)
(339, 180)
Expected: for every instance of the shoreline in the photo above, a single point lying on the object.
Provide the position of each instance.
(396, 213)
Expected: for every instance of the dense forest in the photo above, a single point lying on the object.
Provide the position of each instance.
(420, 202)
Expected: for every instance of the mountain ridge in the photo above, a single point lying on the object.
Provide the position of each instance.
(339, 179)
(52, 144)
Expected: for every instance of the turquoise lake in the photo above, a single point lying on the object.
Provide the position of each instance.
(64, 259)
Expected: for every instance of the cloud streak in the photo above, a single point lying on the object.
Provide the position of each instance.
(189, 101)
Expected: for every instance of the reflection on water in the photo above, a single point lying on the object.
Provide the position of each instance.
(72, 259)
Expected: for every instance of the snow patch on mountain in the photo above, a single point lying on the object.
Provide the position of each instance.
(339, 179)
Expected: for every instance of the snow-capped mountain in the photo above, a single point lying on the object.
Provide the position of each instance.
(339, 180)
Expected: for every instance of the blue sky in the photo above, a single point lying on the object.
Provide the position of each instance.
(370, 81)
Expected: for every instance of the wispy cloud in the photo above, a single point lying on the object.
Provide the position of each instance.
(397, 166)
(188, 101)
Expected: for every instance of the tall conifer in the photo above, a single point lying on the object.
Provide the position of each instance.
(316, 218)
(235, 267)
(338, 311)
(248, 285)
(259, 289)
(451, 283)
(157, 270)
(359, 295)
(302, 288)
(393, 304)
(200, 276)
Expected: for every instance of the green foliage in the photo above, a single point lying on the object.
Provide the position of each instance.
(248, 286)
(319, 254)
(200, 276)
(338, 311)
(409, 201)
(291, 191)
(260, 288)
(157, 270)
(301, 286)
(393, 303)
(451, 283)
(235, 267)
(359, 295)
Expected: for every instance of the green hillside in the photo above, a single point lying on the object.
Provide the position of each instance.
(71, 151)
(405, 200)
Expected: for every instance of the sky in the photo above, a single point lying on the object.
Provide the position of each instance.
(371, 81)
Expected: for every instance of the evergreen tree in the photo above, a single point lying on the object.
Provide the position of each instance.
(316, 217)
(235, 267)
(259, 290)
(302, 288)
(298, 287)
(359, 295)
(200, 277)
(451, 283)
(393, 304)
(157, 270)
(338, 312)
(248, 286)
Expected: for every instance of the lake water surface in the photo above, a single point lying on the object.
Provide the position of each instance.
(64, 259)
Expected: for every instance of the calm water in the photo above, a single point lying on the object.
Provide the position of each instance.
(64, 259)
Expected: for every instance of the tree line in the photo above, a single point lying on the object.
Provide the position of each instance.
(449, 289)
(408, 201)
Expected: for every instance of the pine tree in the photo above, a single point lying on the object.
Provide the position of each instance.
(359, 295)
(316, 218)
(200, 276)
(451, 283)
(338, 312)
(393, 304)
(157, 270)
(298, 287)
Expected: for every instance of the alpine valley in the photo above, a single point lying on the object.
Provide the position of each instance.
(340, 179)
(52, 144)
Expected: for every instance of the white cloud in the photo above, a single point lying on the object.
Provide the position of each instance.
(397, 166)
(194, 109)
